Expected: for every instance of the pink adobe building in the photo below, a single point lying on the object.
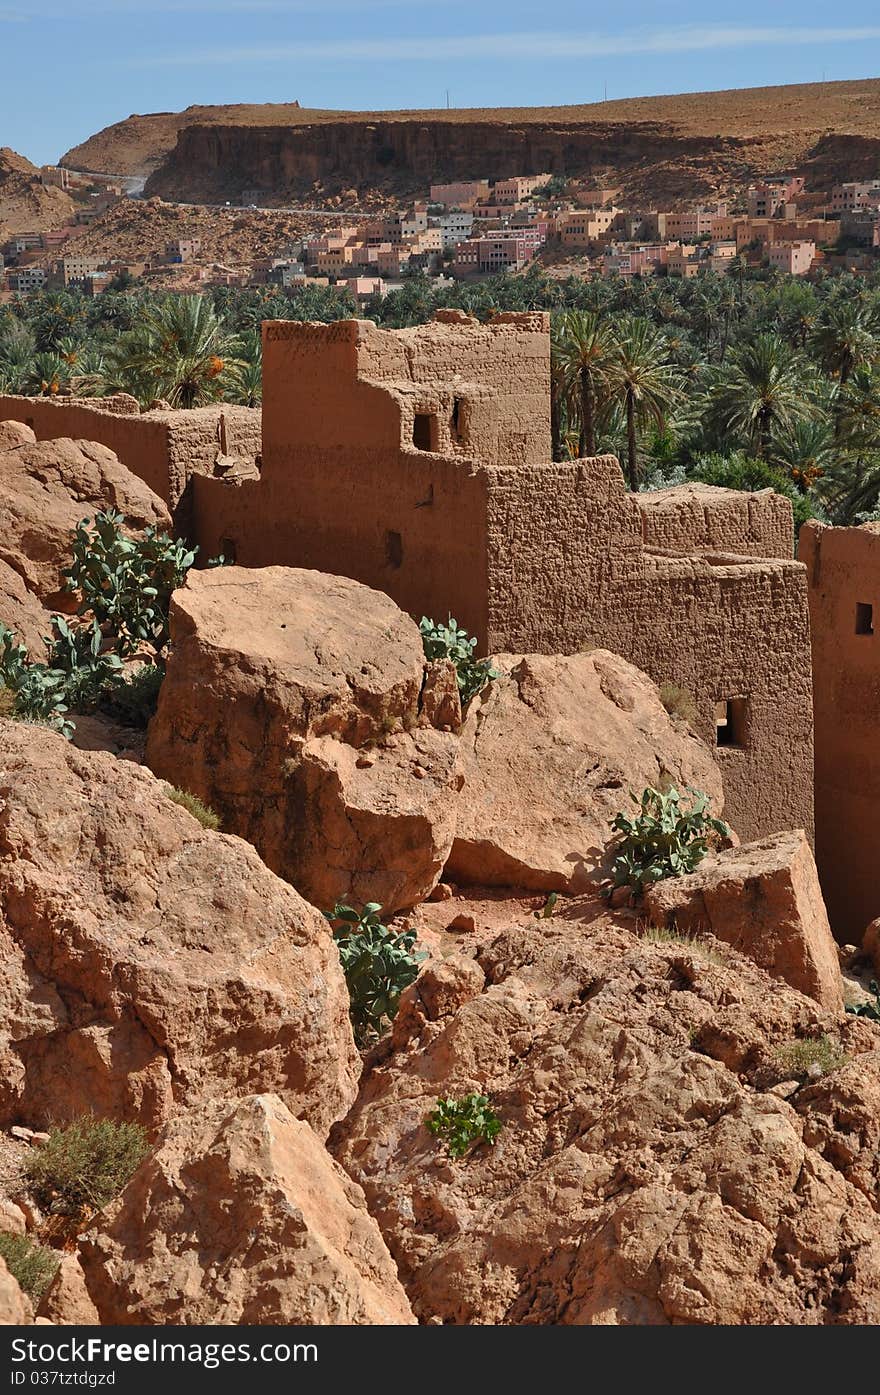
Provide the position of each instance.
(794, 258)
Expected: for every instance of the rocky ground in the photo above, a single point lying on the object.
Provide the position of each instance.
(689, 1118)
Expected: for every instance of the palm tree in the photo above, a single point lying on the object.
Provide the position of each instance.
(646, 382)
(583, 351)
(807, 452)
(249, 388)
(761, 392)
(846, 338)
(181, 351)
(857, 408)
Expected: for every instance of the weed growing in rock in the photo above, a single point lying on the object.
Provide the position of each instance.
(85, 1165)
(193, 805)
(378, 964)
(678, 702)
(664, 839)
(868, 1009)
(449, 641)
(38, 693)
(32, 1266)
(464, 1123)
(809, 1058)
(663, 935)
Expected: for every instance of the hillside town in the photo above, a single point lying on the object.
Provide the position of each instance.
(465, 231)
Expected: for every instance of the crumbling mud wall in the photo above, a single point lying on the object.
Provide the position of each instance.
(418, 462)
(164, 448)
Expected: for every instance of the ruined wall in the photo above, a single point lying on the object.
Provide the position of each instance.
(702, 517)
(568, 568)
(164, 448)
(843, 567)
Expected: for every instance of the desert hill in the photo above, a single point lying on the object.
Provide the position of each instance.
(26, 205)
(692, 144)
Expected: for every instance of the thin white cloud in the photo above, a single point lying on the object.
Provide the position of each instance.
(533, 46)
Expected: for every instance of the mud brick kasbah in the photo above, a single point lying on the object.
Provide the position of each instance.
(418, 461)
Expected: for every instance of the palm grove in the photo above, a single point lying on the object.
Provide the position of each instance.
(748, 380)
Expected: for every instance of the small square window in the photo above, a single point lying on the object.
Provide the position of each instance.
(864, 618)
(731, 722)
(422, 430)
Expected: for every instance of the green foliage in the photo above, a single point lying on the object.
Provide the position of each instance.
(133, 700)
(464, 1123)
(868, 1009)
(548, 907)
(809, 1058)
(127, 582)
(76, 651)
(378, 964)
(193, 805)
(38, 693)
(85, 1165)
(450, 641)
(32, 1266)
(664, 839)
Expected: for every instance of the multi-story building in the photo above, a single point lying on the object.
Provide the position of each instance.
(794, 258)
(55, 177)
(461, 194)
(454, 227)
(622, 260)
(682, 260)
(183, 249)
(72, 270)
(584, 228)
(861, 226)
(513, 191)
(27, 279)
(845, 197)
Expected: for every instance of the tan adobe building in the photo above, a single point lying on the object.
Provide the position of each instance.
(419, 462)
(843, 567)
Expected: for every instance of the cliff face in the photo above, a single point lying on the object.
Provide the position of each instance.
(217, 162)
(212, 163)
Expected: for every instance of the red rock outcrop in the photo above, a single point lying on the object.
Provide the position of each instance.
(45, 489)
(15, 1308)
(66, 1300)
(280, 687)
(148, 962)
(548, 756)
(240, 1216)
(23, 613)
(647, 1171)
(764, 898)
(13, 434)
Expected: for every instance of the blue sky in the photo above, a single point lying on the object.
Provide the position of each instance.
(73, 66)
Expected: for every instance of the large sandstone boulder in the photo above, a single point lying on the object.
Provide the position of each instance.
(283, 689)
(147, 962)
(23, 613)
(549, 754)
(241, 1216)
(14, 434)
(765, 899)
(649, 1169)
(45, 489)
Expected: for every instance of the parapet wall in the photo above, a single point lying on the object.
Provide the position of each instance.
(843, 567)
(164, 448)
(698, 517)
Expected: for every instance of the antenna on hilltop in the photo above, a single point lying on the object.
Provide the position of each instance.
(605, 98)
(447, 99)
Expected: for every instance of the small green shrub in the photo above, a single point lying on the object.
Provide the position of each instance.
(449, 641)
(464, 1123)
(133, 701)
(76, 652)
(85, 1165)
(38, 692)
(32, 1266)
(193, 805)
(664, 839)
(809, 1058)
(378, 964)
(678, 702)
(868, 1009)
(126, 583)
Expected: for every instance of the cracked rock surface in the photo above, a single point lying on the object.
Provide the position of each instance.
(147, 962)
